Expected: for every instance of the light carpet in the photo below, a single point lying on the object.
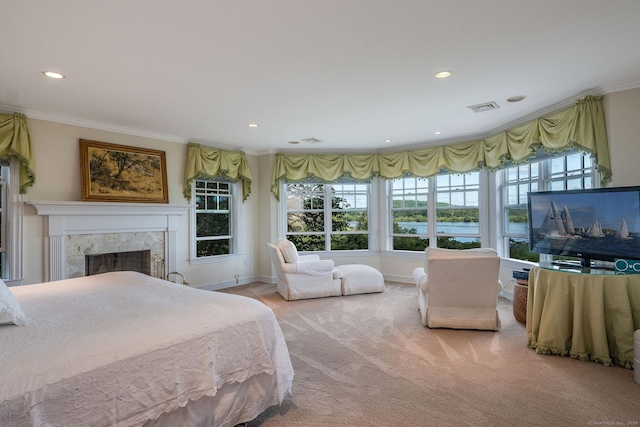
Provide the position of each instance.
(367, 360)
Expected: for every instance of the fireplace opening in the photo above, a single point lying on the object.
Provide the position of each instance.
(139, 261)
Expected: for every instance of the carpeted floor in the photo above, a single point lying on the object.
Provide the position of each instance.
(367, 360)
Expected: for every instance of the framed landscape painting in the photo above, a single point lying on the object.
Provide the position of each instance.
(118, 173)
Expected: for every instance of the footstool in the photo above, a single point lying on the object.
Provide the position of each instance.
(520, 293)
(360, 279)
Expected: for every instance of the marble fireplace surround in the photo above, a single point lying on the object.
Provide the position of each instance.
(75, 229)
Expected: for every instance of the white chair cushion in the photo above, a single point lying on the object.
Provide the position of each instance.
(289, 251)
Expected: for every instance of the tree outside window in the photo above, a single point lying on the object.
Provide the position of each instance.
(325, 217)
(213, 218)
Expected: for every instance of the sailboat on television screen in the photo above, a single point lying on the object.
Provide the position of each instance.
(557, 223)
(623, 231)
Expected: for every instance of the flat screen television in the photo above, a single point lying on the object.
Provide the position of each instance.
(599, 224)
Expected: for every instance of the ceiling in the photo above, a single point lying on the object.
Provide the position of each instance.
(352, 74)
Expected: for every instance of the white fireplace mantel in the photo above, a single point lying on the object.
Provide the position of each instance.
(68, 218)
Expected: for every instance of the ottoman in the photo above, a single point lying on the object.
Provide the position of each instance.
(360, 279)
(520, 293)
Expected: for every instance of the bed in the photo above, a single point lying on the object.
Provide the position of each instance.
(126, 349)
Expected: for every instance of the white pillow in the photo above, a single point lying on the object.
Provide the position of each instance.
(289, 251)
(10, 311)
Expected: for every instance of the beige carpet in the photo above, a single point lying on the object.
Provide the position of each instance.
(366, 360)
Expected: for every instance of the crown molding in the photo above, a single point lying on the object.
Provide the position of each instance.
(38, 115)
(601, 90)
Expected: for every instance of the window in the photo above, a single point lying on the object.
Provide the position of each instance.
(458, 211)
(326, 217)
(409, 214)
(4, 174)
(565, 172)
(518, 181)
(452, 199)
(11, 213)
(213, 218)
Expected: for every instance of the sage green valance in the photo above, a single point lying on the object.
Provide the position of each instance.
(580, 126)
(207, 162)
(15, 144)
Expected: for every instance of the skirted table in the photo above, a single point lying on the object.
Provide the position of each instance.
(586, 314)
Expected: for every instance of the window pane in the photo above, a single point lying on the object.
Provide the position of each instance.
(206, 248)
(522, 194)
(295, 201)
(349, 221)
(223, 203)
(517, 220)
(402, 243)
(557, 165)
(511, 196)
(308, 243)
(471, 179)
(535, 170)
(200, 202)
(519, 249)
(300, 222)
(208, 224)
(458, 221)
(443, 199)
(587, 161)
(574, 184)
(448, 242)
(409, 222)
(574, 162)
(349, 242)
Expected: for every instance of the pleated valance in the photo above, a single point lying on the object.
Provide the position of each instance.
(580, 126)
(207, 162)
(15, 144)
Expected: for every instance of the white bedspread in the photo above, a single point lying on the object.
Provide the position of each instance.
(121, 348)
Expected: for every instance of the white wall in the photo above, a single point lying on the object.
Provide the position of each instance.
(57, 166)
(622, 117)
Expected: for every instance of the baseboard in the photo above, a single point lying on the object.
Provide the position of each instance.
(399, 279)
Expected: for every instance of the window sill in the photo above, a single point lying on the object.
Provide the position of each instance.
(216, 259)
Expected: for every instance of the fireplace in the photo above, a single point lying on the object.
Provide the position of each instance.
(139, 261)
(74, 230)
(83, 247)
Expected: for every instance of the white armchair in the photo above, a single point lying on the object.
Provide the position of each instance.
(303, 276)
(459, 288)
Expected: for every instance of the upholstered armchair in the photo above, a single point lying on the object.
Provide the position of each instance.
(303, 276)
(459, 288)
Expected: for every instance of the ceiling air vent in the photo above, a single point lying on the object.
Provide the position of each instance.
(311, 140)
(486, 106)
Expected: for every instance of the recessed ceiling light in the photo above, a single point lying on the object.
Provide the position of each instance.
(516, 98)
(387, 140)
(438, 133)
(253, 125)
(442, 74)
(53, 74)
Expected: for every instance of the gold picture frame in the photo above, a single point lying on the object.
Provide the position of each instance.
(118, 173)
